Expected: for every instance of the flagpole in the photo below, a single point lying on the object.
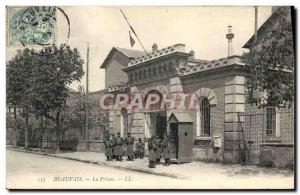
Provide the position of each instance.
(134, 32)
(251, 50)
(255, 24)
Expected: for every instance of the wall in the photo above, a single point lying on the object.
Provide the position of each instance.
(203, 149)
(286, 122)
(113, 71)
(277, 155)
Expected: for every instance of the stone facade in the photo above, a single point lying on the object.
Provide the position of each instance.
(171, 70)
(223, 125)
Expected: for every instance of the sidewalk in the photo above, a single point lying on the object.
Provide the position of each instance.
(193, 170)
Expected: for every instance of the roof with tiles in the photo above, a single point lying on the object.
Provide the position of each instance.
(130, 53)
(157, 54)
(195, 67)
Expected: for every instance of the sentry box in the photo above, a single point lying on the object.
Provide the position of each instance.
(181, 136)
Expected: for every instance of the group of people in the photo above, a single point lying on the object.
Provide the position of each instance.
(159, 149)
(116, 147)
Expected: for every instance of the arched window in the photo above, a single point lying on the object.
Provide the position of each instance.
(165, 68)
(135, 78)
(145, 73)
(159, 69)
(205, 117)
(149, 72)
(154, 71)
(131, 77)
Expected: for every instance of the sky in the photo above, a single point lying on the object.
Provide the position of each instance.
(202, 29)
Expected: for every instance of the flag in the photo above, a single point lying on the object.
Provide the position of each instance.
(132, 41)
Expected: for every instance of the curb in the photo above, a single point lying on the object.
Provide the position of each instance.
(99, 163)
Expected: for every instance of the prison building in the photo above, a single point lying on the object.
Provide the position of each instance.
(223, 128)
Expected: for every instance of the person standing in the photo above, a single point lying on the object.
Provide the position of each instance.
(129, 141)
(166, 149)
(140, 149)
(158, 149)
(119, 147)
(108, 148)
(152, 152)
(113, 145)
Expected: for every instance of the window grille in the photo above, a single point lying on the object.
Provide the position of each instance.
(271, 121)
(205, 117)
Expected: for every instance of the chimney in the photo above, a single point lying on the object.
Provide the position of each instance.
(230, 36)
(192, 54)
(154, 47)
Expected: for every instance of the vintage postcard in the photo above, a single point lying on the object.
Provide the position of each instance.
(150, 97)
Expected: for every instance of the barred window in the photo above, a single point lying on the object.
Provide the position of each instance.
(271, 121)
(205, 117)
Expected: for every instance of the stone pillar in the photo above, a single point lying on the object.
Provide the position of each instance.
(111, 118)
(234, 104)
(136, 120)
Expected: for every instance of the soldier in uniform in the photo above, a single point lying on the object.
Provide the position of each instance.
(129, 141)
(158, 149)
(166, 149)
(108, 148)
(140, 149)
(113, 145)
(119, 147)
(152, 152)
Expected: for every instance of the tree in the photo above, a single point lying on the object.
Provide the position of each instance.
(271, 62)
(55, 69)
(75, 111)
(74, 115)
(18, 88)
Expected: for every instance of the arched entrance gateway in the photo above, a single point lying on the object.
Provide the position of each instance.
(155, 115)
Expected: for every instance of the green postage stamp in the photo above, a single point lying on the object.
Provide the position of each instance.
(35, 25)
